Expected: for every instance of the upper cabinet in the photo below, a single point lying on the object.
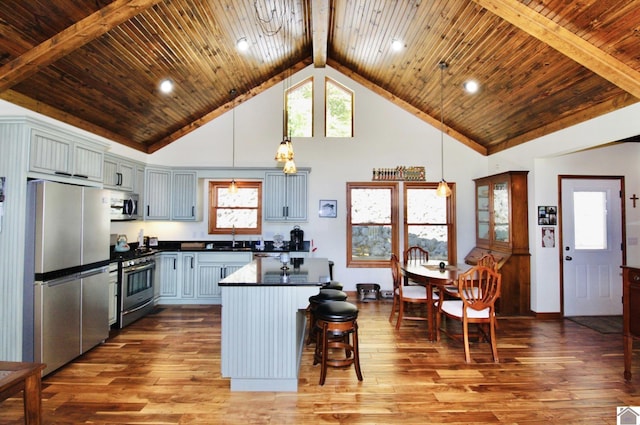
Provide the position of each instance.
(285, 196)
(119, 173)
(171, 194)
(65, 155)
(501, 212)
(157, 205)
(184, 205)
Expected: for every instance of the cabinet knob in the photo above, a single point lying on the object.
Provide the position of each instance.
(568, 258)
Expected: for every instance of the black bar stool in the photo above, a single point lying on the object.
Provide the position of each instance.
(337, 328)
(324, 296)
(333, 285)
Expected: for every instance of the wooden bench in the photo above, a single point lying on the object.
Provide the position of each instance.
(17, 376)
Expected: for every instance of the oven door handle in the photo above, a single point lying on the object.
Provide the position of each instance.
(140, 307)
(140, 268)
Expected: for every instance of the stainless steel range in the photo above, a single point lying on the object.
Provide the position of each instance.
(136, 271)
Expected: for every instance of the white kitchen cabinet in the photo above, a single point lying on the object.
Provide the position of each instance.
(119, 173)
(214, 266)
(63, 155)
(167, 275)
(187, 274)
(285, 196)
(184, 191)
(157, 194)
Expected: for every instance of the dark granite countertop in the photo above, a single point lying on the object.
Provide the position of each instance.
(268, 272)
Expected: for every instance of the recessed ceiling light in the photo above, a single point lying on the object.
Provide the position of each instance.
(166, 86)
(397, 45)
(242, 44)
(471, 86)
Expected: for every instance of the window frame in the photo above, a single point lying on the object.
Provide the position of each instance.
(351, 93)
(286, 105)
(452, 249)
(213, 202)
(395, 216)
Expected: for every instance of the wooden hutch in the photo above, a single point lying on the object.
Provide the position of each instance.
(502, 230)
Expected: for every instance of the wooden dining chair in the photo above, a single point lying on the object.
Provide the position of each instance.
(416, 254)
(477, 289)
(403, 295)
(488, 260)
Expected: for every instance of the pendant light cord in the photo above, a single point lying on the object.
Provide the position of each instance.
(443, 65)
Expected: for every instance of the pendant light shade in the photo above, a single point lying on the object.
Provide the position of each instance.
(290, 167)
(443, 188)
(285, 151)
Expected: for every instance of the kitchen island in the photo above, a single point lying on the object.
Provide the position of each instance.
(264, 321)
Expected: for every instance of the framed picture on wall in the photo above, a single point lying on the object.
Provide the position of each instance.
(328, 208)
(547, 215)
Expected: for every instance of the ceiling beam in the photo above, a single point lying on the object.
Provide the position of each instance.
(435, 122)
(320, 21)
(70, 39)
(566, 42)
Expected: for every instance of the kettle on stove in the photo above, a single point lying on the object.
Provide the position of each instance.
(296, 239)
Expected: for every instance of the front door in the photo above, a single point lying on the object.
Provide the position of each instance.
(592, 246)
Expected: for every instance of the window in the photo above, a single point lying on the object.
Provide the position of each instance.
(372, 221)
(299, 107)
(338, 110)
(430, 220)
(240, 212)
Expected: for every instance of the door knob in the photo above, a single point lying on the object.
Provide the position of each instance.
(568, 258)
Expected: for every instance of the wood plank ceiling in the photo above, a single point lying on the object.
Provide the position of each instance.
(542, 64)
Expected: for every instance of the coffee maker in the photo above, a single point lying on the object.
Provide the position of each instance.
(296, 240)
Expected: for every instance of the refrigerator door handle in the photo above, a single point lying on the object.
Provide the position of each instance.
(61, 280)
(93, 272)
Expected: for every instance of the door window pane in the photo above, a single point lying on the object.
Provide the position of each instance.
(590, 220)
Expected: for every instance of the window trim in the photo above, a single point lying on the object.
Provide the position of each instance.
(212, 207)
(395, 216)
(452, 248)
(346, 90)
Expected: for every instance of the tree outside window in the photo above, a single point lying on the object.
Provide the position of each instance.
(299, 107)
(338, 110)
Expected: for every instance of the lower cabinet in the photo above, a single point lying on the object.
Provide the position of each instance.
(192, 277)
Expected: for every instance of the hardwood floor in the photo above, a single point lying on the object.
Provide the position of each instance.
(165, 369)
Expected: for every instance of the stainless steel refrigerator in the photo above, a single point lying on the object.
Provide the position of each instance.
(66, 291)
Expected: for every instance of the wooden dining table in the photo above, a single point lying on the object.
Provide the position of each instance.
(432, 276)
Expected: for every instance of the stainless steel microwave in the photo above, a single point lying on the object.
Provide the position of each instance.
(124, 206)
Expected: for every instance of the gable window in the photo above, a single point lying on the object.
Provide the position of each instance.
(239, 212)
(372, 224)
(430, 220)
(299, 107)
(338, 110)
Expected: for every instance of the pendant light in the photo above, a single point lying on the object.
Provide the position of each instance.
(443, 188)
(233, 187)
(285, 149)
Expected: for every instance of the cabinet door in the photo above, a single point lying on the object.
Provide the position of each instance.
(113, 301)
(483, 214)
(209, 274)
(188, 275)
(127, 172)
(501, 209)
(285, 197)
(87, 162)
(110, 170)
(167, 269)
(49, 154)
(184, 191)
(157, 194)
